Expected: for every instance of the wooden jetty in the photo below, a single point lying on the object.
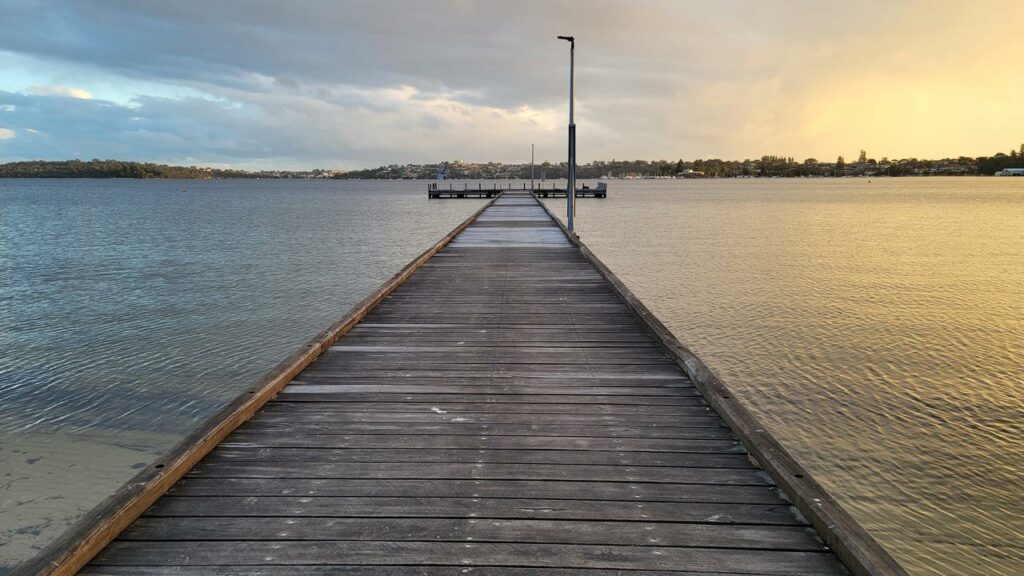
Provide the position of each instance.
(452, 190)
(502, 406)
(600, 191)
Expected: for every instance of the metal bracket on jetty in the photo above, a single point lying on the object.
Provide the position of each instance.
(439, 190)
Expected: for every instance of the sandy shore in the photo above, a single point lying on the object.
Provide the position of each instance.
(49, 479)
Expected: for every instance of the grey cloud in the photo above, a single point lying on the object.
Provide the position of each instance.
(499, 53)
(150, 129)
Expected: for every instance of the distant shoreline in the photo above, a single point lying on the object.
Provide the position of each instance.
(764, 167)
(198, 178)
(184, 179)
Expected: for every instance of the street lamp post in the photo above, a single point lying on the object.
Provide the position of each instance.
(570, 189)
(532, 187)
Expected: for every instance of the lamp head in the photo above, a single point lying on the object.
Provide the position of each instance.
(570, 39)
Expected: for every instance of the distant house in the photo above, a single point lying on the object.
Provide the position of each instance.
(1011, 172)
(689, 173)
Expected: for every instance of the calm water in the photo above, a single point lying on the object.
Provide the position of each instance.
(130, 310)
(877, 328)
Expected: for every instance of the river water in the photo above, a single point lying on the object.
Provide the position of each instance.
(877, 327)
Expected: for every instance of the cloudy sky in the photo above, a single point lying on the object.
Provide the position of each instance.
(305, 84)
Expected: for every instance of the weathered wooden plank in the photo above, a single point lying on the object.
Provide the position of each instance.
(569, 290)
(555, 341)
(456, 307)
(473, 359)
(523, 508)
(577, 333)
(475, 340)
(405, 570)
(495, 369)
(478, 530)
(605, 319)
(515, 298)
(574, 373)
(442, 329)
(286, 412)
(576, 421)
(564, 457)
(433, 399)
(425, 488)
(506, 380)
(496, 356)
(322, 386)
(294, 440)
(571, 374)
(284, 405)
(297, 426)
(473, 350)
(482, 471)
(467, 554)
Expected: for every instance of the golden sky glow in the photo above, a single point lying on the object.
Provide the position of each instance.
(922, 79)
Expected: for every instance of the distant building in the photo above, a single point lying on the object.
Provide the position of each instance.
(690, 174)
(1011, 172)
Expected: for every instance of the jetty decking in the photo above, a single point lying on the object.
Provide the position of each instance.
(452, 190)
(580, 193)
(504, 411)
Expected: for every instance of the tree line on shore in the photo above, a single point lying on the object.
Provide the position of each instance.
(766, 166)
(111, 169)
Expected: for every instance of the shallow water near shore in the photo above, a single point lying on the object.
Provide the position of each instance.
(877, 328)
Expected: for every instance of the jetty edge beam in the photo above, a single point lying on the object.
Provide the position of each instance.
(857, 549)
(71, 551)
